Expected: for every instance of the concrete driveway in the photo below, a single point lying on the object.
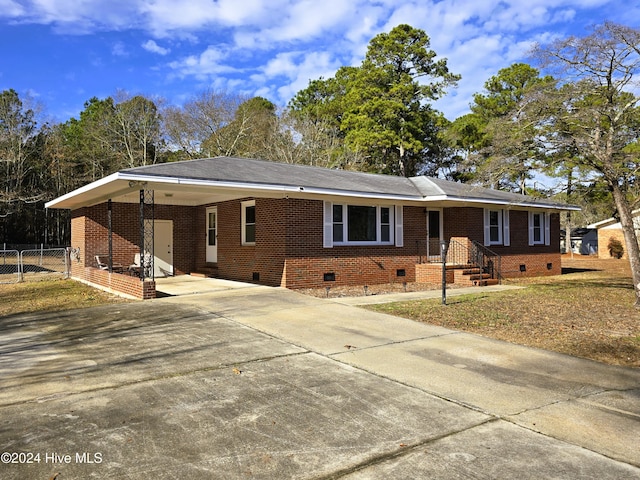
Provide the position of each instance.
(241, 381)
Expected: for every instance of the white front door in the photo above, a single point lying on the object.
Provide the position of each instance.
(212, 235)
(162, 248)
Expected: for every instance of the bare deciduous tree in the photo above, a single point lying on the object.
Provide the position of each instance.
(597, 111)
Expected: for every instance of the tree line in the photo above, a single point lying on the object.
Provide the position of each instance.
(578, 122)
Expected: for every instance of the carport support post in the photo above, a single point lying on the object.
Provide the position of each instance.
(146, 234)
(443, 256)
(110, 227)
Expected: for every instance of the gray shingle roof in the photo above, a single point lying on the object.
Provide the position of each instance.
(438, 187)
(243, 170)
(262, 172)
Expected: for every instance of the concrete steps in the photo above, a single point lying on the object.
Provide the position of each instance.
(208, 271)
(476, 277)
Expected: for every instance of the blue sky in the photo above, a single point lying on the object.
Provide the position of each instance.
(63, 52)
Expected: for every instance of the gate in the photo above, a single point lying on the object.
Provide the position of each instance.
(44, 263)
(9, 266)
(36, 264)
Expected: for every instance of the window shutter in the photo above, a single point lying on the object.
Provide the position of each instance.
(487, 228)
(506, 240)
(327, 241)
(399, 227)
(531, 233)
(547, 229)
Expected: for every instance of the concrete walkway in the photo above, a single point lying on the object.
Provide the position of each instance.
(258, 382)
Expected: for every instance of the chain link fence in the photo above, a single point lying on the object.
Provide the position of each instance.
(33, 264)
(10, 266)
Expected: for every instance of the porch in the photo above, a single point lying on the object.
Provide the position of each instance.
(466, 262)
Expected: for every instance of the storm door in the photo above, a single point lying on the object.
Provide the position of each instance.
(434, 234)
(212, 235)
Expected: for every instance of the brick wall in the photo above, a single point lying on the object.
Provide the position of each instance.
(289, 251)
(537, 259)
(260, 263)
(604, 236)
(308, 261)
(432, 273)
(120, 283)
(531, 265)
(89, 232)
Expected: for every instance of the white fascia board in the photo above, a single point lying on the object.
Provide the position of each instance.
(487, 201)
(82, 190)
(611, 221)
(352, 194)
(602, 223)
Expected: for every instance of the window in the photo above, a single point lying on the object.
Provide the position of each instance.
(338, 224)
(249, 223)
(433, 225)
(496, 227)
(211, 229)
(362, 225)
(359, 224)
(385, 224)
(539, 228)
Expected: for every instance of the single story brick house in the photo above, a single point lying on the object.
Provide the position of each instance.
(611, 228)
(302, 227)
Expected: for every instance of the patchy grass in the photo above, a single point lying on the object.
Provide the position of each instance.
(586, 312)
(50, 296)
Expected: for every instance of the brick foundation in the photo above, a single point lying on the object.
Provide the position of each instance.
(118, 283)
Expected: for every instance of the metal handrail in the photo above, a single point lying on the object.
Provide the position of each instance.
(489, 261)
(475, 255)
(458, 254)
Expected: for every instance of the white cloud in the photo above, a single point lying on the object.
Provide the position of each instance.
(173, 17)
(10, 9)
(153, 47)
(277, 46)
(299, 69)
(210, 62)
(119, 49)
(80, 17)
(310, 18)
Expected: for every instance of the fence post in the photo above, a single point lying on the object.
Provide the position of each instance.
(443, 256)
(67, 262)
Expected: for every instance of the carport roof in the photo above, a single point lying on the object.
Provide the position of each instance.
(210, 180)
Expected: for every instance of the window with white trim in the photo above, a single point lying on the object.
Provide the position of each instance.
(249, 222)
(496, 227)
(539, 228)
(359, 224)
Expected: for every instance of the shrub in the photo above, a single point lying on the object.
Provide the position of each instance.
(616, 250)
